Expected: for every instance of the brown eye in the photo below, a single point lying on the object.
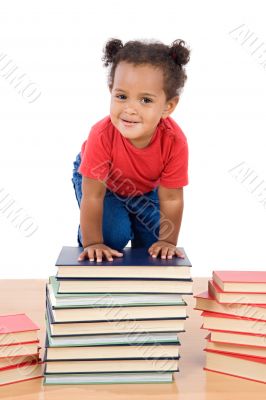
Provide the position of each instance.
(119, 96)
(147, 100)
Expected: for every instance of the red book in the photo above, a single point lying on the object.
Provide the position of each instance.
(232, 323)
(235, 297)
(249, 339)
(18, 328)
(239, 349)
(21, 372)
(17, 360)
(241, 281)
(251, 368)
(205, 302)
(19, 349)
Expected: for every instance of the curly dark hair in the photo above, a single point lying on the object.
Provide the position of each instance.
(170, 59)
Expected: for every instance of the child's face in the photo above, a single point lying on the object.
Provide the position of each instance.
(137, 95)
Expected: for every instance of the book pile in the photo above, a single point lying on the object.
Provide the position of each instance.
(19, 349)
(234, 311)
(115, 321)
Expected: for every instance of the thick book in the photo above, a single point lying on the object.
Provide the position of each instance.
(114, 365)
(67, 285)
(239, 338)
(17, 360)
(17, 328)
(234, 297)
(232, 323)
(205, 302)
(251, 368)
(18, 349)
(109, 299)
(21, 372)
(111, 327)
(241, 281)
(157, 350)
(135, 263)
(108, 378)
(114, 313)
(137, 338)
(253, 351)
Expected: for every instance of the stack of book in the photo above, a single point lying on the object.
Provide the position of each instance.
(115, 321)
(234, 311)
(19, 349)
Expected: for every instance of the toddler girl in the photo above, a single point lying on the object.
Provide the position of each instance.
(130, 173)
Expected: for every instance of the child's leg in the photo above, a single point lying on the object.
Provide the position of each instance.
(145, 218)
(117, 228)
(77, 184)
(116, 225)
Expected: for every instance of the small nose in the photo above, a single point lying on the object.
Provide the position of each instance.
(130, 112)
(130, 107)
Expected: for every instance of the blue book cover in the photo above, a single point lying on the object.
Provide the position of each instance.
(137, 257)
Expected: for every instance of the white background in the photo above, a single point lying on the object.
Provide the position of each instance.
(58, 45)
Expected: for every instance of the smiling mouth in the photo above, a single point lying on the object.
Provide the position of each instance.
(129, 122)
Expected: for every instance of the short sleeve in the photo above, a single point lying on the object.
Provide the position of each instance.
(96, 157)
(175, 172)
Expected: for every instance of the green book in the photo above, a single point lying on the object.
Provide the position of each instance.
(113, 365)
(110, 339)
(127, 351)
(109, 299)
(105, 378)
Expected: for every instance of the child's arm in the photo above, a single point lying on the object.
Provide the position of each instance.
(171, 211)
(91, 211)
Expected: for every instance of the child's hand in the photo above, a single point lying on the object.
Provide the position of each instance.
(99, 249)
(167, 250)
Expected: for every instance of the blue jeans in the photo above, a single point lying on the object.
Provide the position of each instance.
(135, 218)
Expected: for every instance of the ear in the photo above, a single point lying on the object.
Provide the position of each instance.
(170, 105)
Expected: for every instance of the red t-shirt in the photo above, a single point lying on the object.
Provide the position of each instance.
(130, 171)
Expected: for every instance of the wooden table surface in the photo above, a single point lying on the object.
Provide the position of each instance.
(191, 383)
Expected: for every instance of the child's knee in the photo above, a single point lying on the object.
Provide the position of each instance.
(117, 242)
